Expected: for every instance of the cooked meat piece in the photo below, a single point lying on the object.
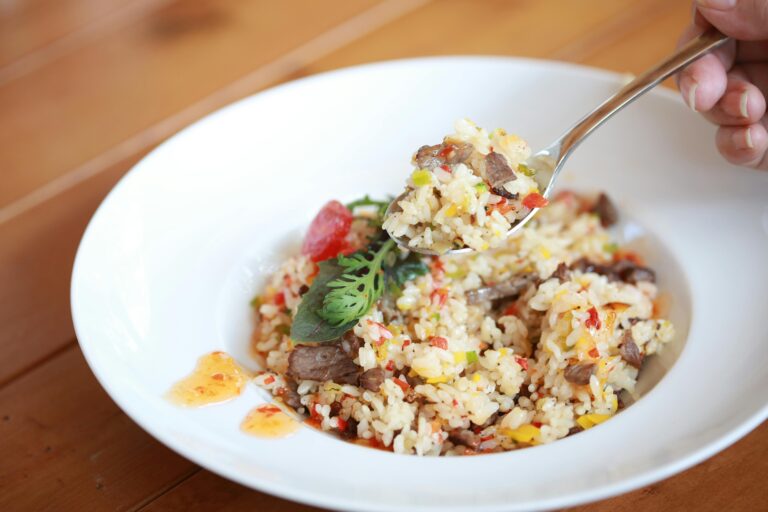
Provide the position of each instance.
(574, 430)
(584, 265)
(351, 431)
(497, 170)
(560, 273)
(464, 437)
(372, 379)
(501, 191)
(335, 408)
(629, 351)
(630, 272)
(351, 343)
(579, 373)
(303, 289)
(491, 420)
(622, 270)
(504, 290)
(321, 363)
(289, 395)
(605, 209)
(412, 381)
(429, 157)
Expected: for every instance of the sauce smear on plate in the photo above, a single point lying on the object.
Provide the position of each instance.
(216, 378)
(269, 421)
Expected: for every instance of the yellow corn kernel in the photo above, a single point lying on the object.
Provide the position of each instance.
(590, 420)
(545, 253)
(485, 246)
(394, 329)
(382, 351)
(523, 434)
(450, 211)
(476, 377)
(437, 380)
(503, 352)
(459, 357)
(614, 404)
(465, 202)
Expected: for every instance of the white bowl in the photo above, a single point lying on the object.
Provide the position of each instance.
(170, 260)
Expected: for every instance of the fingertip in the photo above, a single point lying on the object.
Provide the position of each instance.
(703, 83)
(743, 145)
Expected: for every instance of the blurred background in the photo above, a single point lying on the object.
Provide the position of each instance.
(87, 87)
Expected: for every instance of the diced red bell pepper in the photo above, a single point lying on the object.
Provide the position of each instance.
(403, 385)
(522, 362)
(439, 297)
(535, 200)
(327, 234)
(439, 342)
(594, 319)
(503, 206)
(511, 310)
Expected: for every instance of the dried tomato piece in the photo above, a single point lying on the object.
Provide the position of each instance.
(327, 234)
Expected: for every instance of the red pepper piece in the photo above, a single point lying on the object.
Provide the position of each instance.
(594, 319)
(535, 200)
(439, 342)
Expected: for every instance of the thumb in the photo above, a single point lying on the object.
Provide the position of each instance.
(746, 20)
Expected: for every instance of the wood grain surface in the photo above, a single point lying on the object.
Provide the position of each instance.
(87, 87)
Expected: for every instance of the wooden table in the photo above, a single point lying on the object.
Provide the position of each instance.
(87, 87)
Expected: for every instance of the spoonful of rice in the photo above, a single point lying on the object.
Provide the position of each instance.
(473, 190)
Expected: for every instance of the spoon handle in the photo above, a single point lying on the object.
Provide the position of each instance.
(697, 47)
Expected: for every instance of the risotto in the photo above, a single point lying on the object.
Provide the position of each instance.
(462, 354)
(466, 191)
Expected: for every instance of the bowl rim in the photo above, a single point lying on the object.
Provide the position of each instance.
(337, 502)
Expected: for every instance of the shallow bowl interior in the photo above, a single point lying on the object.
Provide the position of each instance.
(172, 257)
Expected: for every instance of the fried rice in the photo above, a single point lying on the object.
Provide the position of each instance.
(461, 369)
(466, 191)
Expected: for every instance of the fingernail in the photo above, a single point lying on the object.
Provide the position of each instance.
(691, 96)
(743, 104)
(721, 5)
(742, 139)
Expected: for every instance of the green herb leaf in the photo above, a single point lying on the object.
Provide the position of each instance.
(380, 209)
(367, 201)
(353, 293)
(471, 357)
(407, 269)
(526, 170)
(307, 324)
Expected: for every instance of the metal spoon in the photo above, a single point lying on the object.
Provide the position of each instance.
(549, 161)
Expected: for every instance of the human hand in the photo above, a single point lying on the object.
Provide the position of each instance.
(729, 86)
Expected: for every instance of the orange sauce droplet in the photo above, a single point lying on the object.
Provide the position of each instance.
(216, 378)
(269, 421)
